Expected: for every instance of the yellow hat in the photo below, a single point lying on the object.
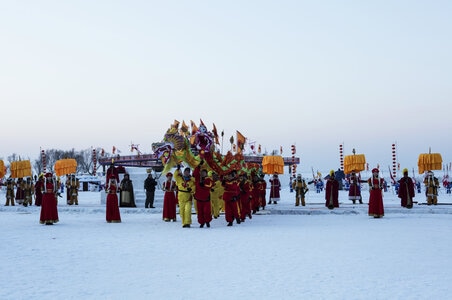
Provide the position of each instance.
(405, 170)
(331, 172)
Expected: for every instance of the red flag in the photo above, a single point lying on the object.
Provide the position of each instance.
(215, 134)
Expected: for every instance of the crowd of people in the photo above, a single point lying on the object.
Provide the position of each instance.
(238, 194)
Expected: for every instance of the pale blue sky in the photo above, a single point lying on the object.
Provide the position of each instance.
(77, 74)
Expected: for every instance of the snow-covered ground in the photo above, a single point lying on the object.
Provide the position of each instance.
(287, 252)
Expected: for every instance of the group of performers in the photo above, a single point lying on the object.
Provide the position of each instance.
(235, 193)
(21, 192)
(405, 191)
(238, 195)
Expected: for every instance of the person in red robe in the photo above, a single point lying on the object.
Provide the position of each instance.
(112, 214)
(406, 190)
(246, 196)
(203, 184)
(354, 191)
(230, 197)
(39, 185)
(275, 187)
(255, 201)
(332, 192)
(169, 199)
(376, 185)
(49, 210)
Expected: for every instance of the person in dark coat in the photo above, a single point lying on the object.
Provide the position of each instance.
(332, 192)
(149, 185)
(126, 196)
(406, 190)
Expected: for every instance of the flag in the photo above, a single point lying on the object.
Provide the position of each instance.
(215, 134)
(253, 146)
(184, 127)
(194, 128)
(240, 141)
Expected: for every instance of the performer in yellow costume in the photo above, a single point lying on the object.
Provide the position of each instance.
(300, 187)
(10, 183)
(72, 185)
(29, 190)
(431, 188)
(185, 190)
(216, 196)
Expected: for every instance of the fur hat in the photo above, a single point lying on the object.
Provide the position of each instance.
(375, 170)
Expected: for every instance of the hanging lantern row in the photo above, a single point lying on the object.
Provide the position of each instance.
(43, 161)
(394, 161)
(294, 166)
(341, 156)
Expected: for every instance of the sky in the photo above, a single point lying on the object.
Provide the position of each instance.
(317, 74)
(281, 254)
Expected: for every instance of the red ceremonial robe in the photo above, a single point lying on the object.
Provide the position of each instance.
(376, 208)
(202, 196)
(169, 201)
(332, 193)
(406, 192)
(112, 214)
(49, 211)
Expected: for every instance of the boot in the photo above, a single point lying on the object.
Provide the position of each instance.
(230, 224)
(201, 226)
(208, 225)
(237, 220)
